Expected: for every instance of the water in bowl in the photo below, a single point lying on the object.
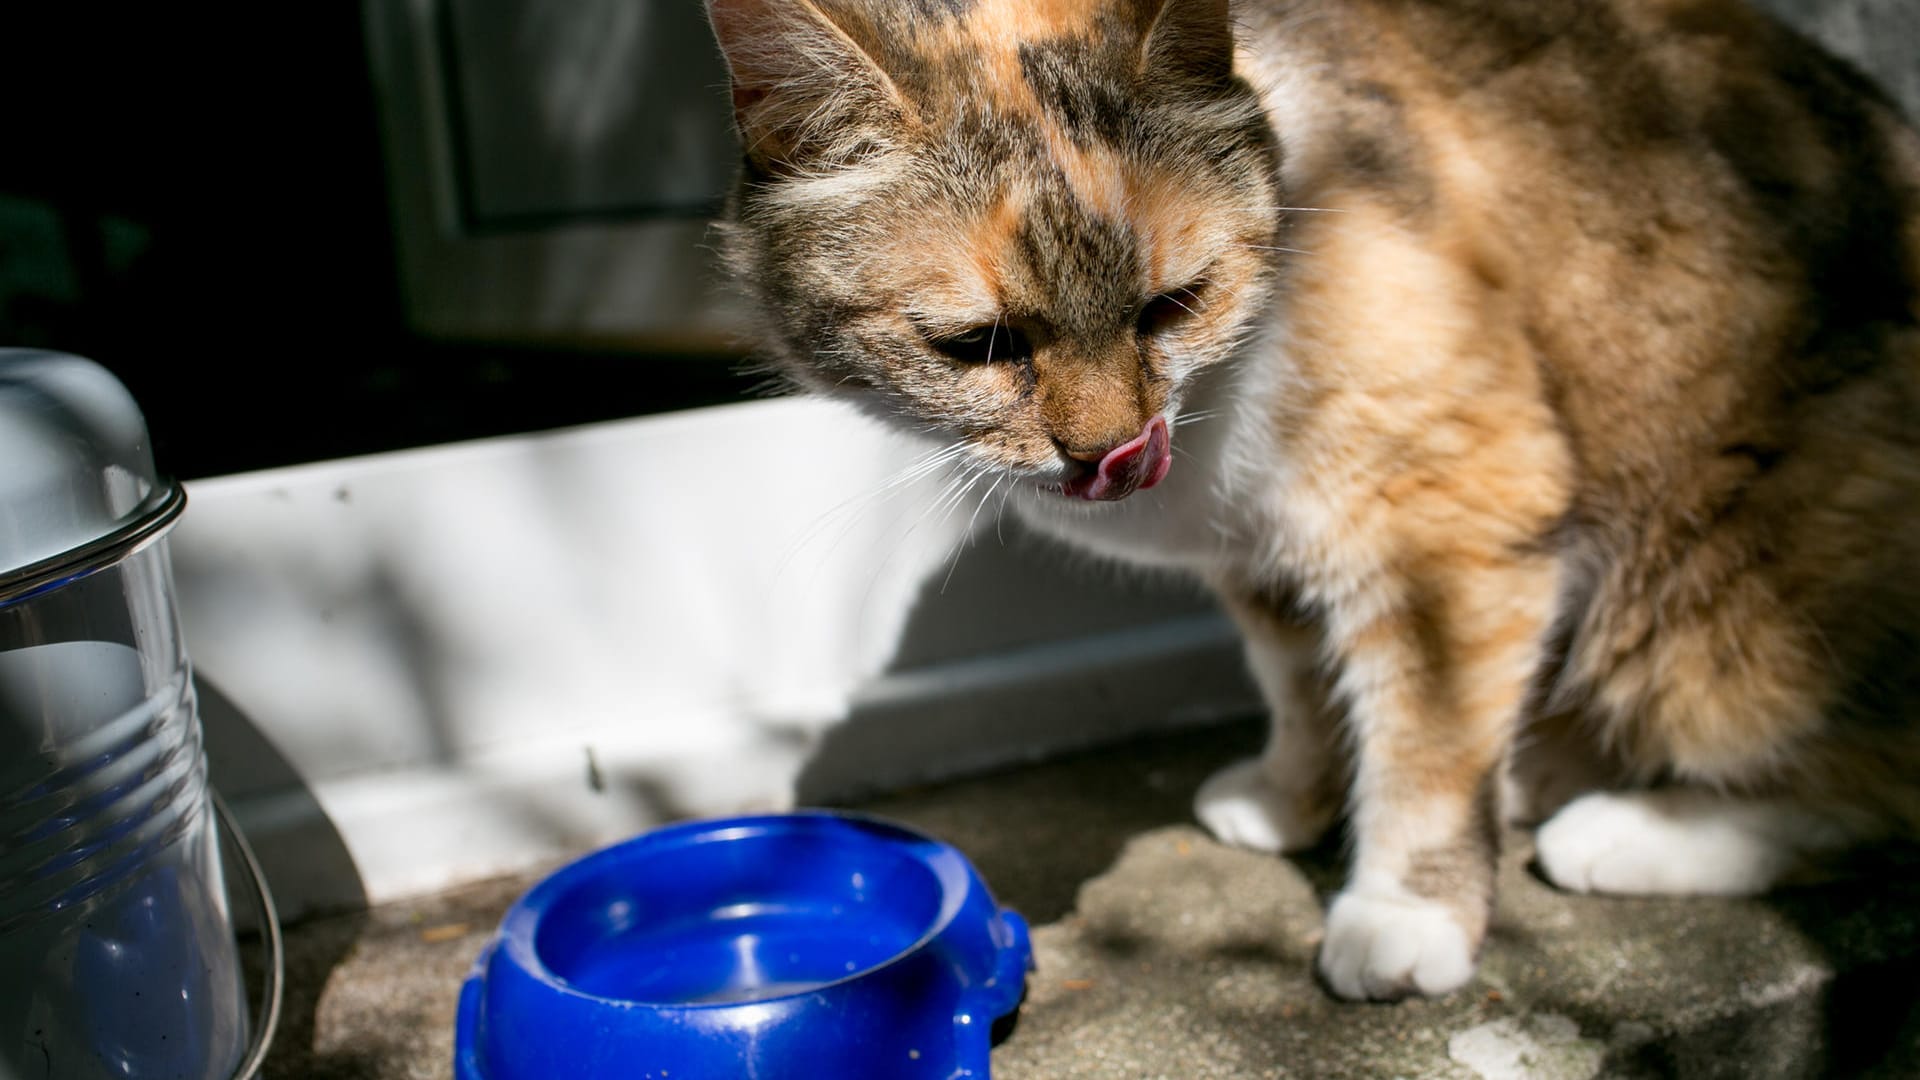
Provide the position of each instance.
(784, 915)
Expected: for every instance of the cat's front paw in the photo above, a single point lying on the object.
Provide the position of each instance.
(1383, 947)
(1246, 806)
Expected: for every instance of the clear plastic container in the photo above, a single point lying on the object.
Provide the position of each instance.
(117, 951)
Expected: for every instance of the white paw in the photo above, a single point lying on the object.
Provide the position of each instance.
(1641, 843)
(1385, 947)
(1244, 806)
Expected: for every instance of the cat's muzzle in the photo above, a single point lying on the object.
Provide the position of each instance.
(1138, 463)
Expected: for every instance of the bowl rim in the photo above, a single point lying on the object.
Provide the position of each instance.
(519, 928)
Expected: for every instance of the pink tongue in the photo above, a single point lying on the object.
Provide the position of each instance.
(1140, 462)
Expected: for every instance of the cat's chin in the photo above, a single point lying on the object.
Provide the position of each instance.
(1137, 464)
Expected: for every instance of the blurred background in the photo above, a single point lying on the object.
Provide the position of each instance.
(303, 231)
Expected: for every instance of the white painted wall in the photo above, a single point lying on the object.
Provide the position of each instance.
(425, 667)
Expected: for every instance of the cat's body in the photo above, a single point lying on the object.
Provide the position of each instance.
(1567, 418)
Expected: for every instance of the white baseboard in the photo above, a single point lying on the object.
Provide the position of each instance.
(420, 829)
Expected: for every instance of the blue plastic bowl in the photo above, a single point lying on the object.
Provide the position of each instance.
(812, 946)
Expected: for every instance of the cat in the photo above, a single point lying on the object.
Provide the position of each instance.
(1534, 382)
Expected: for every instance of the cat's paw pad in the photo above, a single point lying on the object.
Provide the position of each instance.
(1641, 843)
(1243, 806)
(1385, 947)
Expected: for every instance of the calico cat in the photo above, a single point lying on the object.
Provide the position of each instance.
(1535, 382)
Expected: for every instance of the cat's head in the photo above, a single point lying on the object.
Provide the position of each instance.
(1021, 224)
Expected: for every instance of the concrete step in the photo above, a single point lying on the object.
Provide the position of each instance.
(1164, 955)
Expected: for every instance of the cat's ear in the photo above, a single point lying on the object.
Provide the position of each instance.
(801, 83)
(1184, 39)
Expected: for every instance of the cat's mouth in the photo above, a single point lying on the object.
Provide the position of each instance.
(1138, 463)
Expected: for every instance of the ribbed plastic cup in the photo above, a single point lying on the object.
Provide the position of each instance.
(117, 952)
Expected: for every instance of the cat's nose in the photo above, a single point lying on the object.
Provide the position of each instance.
(1140, 462)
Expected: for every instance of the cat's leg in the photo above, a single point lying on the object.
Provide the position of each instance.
(1435, 672)
(1556, 758)
(1284, 799)
(1674, 841)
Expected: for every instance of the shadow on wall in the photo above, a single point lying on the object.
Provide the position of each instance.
(307, 857)
(1020, 649)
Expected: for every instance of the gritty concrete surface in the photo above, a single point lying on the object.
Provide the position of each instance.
(1164, 956)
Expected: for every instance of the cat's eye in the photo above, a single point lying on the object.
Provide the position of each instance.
(982, 344)
(1170, 309)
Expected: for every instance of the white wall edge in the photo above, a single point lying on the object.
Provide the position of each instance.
(428, 667)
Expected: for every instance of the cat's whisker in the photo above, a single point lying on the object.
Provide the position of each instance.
(998, 479)
(1274, 247)
(953, 491)
(1196, 297)
(928, 463)
(770, 386)
(935, 457)
(951, 497)
(1266, 208)
(1309, 209)
(847, 512)
(1233, 294)
(916, 476)
(1000, 512)
(941, 508)
(940, 505)
(897, 484)
(956, 491)
(966, 534)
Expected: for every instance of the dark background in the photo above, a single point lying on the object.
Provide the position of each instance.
(195, 198)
